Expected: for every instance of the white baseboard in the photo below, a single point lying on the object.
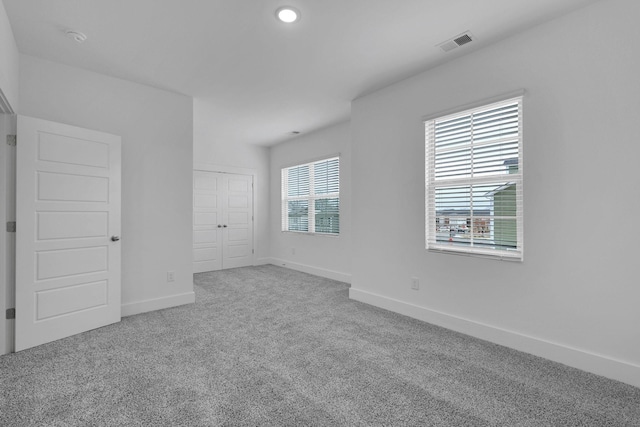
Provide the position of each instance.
(316, 271)
(138, 307)
(609, 367)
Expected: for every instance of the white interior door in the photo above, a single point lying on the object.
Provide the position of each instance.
(68, 223)
(207, 221)
(222, 221)
(237, 231)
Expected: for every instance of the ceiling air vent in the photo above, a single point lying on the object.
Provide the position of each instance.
(463, 39)
(459, 40)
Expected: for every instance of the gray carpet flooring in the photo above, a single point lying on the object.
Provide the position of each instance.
(266, 346)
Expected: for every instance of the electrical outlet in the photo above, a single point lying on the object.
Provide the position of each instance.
(171, 276)
(415, 283)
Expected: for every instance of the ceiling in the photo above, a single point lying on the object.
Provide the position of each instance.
(260, 79)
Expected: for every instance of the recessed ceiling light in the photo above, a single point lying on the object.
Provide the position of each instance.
(76, 36)
(288, 14)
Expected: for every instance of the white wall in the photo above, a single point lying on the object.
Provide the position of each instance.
(233, 156)
(575, 297)
(8, 61)
(157, 158)
(327, 256)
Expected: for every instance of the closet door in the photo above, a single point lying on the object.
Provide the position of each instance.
(237, 232)
(207, 221)
(222, 221)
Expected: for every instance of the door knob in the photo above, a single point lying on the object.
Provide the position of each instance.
(115, 238)
(225, 226)
(219, 226)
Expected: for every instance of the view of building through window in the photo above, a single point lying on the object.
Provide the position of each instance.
(474, 181)
(311, 197)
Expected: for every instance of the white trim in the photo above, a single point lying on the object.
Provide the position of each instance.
(210, 167)
(307, 233)
(310, 198)
(313, 160)
(4, 344)
(316, 271)
(476, 104)
(599, 364)
(478, 253)
(433, 183)
(5, 107)
(7, 245)
(7, 240)
(145, 306)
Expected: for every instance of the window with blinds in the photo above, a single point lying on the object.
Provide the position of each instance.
(311, 197)
(473, 165)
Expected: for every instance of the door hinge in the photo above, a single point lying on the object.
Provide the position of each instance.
(11, 140)
(11, 313)
(11, 227)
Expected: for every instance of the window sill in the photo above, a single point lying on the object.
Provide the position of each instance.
(307, 233)
(495, 255)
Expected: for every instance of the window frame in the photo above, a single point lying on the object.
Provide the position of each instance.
(311, 198)
(432, 243)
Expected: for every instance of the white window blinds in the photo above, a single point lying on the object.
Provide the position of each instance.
(311, 197)
(473, 165)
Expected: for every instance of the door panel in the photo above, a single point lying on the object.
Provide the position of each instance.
(237, 235)
(207, 249)
(71, 262)
(236, 251)
(68, 207)
(205, 236)
(205, 201)
(238, 213)
(56, 302)
(238, 202)
(222, 221)
(65, 225)
(72, 188)
(240, 219)
(65, 149)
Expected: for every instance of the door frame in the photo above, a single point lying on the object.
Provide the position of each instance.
(210, 167)
(7, 213)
